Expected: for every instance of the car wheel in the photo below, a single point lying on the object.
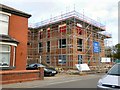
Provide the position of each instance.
(50, 74)
(53, 75)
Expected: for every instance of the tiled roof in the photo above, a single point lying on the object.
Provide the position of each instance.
(7, 38)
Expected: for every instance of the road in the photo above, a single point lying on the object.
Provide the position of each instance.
(84, 83)
(89, 81)
(60, 81)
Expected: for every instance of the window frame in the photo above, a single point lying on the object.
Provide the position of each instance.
(48, 59)
(5, 52)
(62, 28)
(5, 22)
(79, 45)
(48, 32)
(60, 43)
(48, 47)
(40, 49)
(63, 61)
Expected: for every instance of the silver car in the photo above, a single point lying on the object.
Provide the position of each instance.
(112, 79)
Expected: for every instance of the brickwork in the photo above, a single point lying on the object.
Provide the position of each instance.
(79, 34)
(71, 52)
(21, 76)
(18, 34)
(18, 27)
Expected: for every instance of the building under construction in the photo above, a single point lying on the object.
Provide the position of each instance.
(66, 40)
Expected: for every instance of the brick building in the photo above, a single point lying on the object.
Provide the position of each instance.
(66, 40)
(13, 46)
(13, 38)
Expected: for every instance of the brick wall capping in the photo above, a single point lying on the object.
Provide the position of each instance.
(18, 71)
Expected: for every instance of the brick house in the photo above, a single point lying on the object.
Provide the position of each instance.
(13, 38)
(13, 45)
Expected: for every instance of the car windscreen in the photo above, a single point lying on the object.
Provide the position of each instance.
(115, 70)
(32, 65)
(47, 69)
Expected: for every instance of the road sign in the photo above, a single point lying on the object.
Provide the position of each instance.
(96, 47)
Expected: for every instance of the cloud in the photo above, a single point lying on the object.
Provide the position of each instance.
(105, 11)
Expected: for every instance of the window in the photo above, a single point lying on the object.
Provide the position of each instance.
(62, 28)
(79, 44)
(29, 43)
(62, 43)
(4, 55)
(48, 46)
(40, 34)
(4, 20)
(115, 70)
(40, 47)
(48, 32)
(62, 59)
(79, 29)
(48, 59)
(80, 59)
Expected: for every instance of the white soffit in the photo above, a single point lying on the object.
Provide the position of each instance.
(7, 43)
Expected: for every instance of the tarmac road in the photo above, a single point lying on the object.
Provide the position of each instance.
(80, 83)
(60, 81)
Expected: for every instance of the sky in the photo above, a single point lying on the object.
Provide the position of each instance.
(104, 11)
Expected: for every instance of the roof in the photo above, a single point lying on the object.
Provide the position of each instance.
(8, 9)
(7, 38)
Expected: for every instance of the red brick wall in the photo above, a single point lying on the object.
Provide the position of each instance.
(21, 76)
(18, 28)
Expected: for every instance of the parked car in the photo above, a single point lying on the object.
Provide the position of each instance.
(48, 71)
(34, 66)
(112, 79)
(51, 68)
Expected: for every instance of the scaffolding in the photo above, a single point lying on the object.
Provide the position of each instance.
(65, 40)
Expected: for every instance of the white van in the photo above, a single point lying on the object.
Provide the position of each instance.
(112, 79)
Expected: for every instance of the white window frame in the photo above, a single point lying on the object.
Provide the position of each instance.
(6, 22)
(2, 52)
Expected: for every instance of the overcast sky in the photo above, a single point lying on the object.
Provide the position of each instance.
(104, 11)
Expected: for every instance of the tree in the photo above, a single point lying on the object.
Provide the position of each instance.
(116, 51)
(108, 52)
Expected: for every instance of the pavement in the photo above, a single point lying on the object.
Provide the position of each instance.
(58, 79)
